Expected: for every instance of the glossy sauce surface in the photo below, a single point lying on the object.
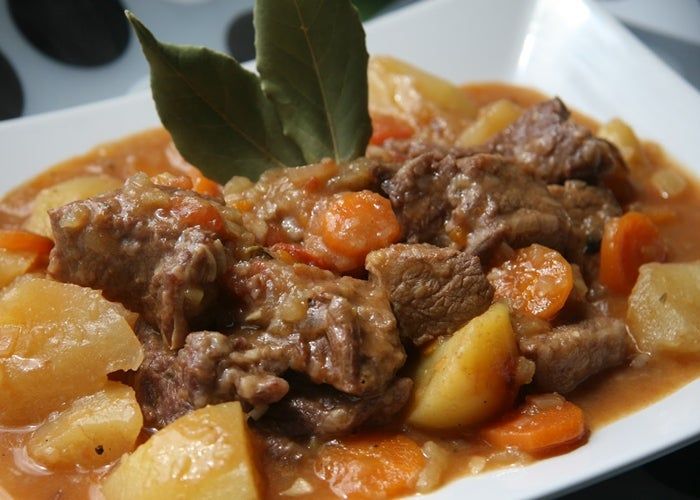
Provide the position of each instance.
(603, 399)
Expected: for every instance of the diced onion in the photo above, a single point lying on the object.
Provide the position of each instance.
(476, 464)
(300, 487)
(437, 459)
(668, 183)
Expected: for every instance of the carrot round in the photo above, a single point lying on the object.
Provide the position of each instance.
(198, 213)
(628, 242)
(355, 223)
(295, 252)
(536, 280)
(538, 430)
(389, 127)
(25, 241)
(374, 466)
(204, 185)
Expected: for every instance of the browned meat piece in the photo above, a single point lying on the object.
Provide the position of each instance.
(321, 410)
(159, 251)
(337, 330)
(433, 291)
(569, 354)
(331, 330)
(552, 148)
(475, 202)
(589, 207)
(400, 150)
(171, 383)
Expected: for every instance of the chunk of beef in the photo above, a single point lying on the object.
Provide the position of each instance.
(589, 207)
(475, 202)
(159, 251)
(569, 354)
(321, 410)
(171, 383)
(553, 148)
(433, 291)
(336, 330)
(291, 318)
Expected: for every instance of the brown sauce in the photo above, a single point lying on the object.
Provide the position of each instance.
(604, 399)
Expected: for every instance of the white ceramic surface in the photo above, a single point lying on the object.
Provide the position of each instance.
(566, 47)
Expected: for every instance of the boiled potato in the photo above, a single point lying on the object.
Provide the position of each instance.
(622, 136)
(397, 88)
(13, 264)
(492, 119)
(93, 431)
(469, 377)
(78, 188)
(663, 312)
(57, 342)
(206, 454)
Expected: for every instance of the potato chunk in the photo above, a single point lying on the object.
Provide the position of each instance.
(95, 430)
(492, 119)
(78, 188)
(398, 89)
(58, 342)
(13, 264)
(622, 136)
(663, 312)
(205, 454)
(468, 378)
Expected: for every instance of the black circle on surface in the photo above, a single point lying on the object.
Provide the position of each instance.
(77, 32)
(11, 95)
(240, 38)
(678, 470)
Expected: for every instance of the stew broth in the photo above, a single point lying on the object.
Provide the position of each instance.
(604, 398)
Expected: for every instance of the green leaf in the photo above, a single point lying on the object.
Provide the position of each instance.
(312, 61)
(215, 110)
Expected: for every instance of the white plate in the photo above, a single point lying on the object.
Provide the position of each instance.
(566, 47)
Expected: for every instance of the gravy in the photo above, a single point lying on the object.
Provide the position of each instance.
(604, 398)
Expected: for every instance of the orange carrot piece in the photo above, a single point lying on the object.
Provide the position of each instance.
(206, 186)
(628, 242)
(355, 223)
(199, 213)
(538, 430)
(291, 253)
(202, 184)
(371, 466)
(242, 205)
(536, 280)
(389, 127)
(25, 241)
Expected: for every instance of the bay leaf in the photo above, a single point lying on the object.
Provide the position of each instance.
(312, 61)
(215, 110)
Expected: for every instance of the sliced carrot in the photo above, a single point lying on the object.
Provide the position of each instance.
(242, 205)
(25, 241)
(295, 252)
(628, 242)
(536, 280)
(206, 186)
(355, 223)
(375, 466)
(202, 184)
(389, 127)
(194, 212)
(538, 430)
